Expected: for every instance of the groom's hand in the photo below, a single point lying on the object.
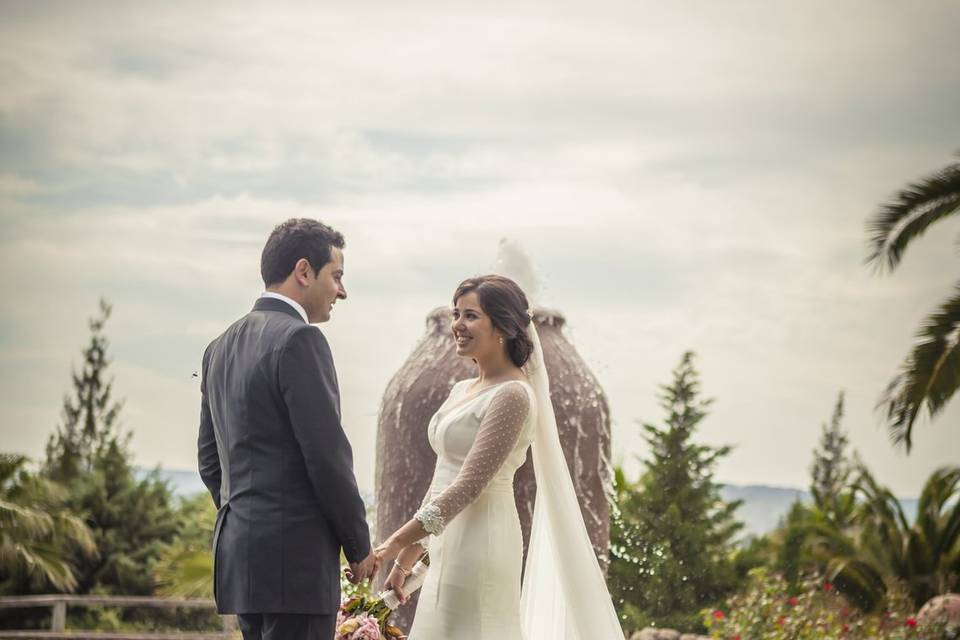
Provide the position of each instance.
(363, 570)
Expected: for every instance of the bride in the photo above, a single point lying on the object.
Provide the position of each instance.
(468, 519)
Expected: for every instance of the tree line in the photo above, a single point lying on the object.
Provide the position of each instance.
(84, 522)
(675, 551)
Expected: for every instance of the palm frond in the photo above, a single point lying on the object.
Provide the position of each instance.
(39, 562)
(71, 531)
(920, 204)
(929, 376)
(46, 562)
(857, 580)
(38, 535)
(880, 505)
(951, 530)
(918, 554)
(27, 521)
(881, 545)
(10, 464)
(937, 492)
(185, 573)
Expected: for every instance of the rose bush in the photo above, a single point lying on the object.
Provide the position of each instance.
(767, 610)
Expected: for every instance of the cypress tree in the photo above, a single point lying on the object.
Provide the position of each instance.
(673, 534)
(131, 519)
(830, 472)
(89, 416)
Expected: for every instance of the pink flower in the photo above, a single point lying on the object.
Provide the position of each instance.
(718, 614)
(345, 630)
(368, 630)
(792, 601)
(781, 621)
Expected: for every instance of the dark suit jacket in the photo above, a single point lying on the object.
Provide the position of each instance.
(275, 458)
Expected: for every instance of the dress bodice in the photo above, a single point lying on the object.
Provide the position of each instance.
(480, 439)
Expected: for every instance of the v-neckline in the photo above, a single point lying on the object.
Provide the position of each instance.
(468, 399)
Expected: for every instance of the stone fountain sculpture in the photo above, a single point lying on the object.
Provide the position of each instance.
(405, 461)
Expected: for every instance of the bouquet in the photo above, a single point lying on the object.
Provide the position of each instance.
(362, 618)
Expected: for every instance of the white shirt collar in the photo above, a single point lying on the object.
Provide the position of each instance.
(293, 303)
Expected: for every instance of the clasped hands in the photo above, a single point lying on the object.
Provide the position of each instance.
(367, 568)
(402, 549)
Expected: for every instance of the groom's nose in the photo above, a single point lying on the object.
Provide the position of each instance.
(341, 292)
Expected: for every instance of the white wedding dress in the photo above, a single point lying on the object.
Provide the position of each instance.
(472, 590)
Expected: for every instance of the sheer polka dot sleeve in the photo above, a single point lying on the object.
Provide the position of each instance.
(499, 430)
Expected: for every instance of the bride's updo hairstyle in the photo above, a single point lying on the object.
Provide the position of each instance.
(506, 304)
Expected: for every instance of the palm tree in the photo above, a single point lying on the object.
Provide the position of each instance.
(38, 537)
(884, 547)
(930, 374)
(185, 566)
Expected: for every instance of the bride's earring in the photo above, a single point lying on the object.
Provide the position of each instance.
(501, 339)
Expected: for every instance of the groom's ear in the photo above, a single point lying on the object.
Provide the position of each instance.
(302, 271)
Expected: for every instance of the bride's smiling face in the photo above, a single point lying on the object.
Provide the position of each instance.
(473, 332)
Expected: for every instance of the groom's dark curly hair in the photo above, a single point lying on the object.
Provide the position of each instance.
(294, 239)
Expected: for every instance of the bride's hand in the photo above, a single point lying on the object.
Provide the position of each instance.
(395, 581)
(388, 551)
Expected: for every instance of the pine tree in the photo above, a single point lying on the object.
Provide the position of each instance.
(800, 534)
(673, 535)
(831, 470)
(131, 520)
(89, 417)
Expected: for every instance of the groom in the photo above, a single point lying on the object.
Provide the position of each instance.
(272, 451)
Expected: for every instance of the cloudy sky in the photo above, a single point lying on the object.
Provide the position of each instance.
(691, 175)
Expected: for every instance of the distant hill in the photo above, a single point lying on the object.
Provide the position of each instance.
(762, 507)
(183, 482)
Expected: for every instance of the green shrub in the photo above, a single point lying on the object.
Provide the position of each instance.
(766, 610)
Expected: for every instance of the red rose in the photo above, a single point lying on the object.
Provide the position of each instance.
(827, 586)
(911, 622)
(792, 601)
(718, 614)
(781, 621)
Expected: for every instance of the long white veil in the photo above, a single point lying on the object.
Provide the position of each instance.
(564, 594)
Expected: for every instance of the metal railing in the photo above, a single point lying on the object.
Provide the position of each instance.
(58, 619)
